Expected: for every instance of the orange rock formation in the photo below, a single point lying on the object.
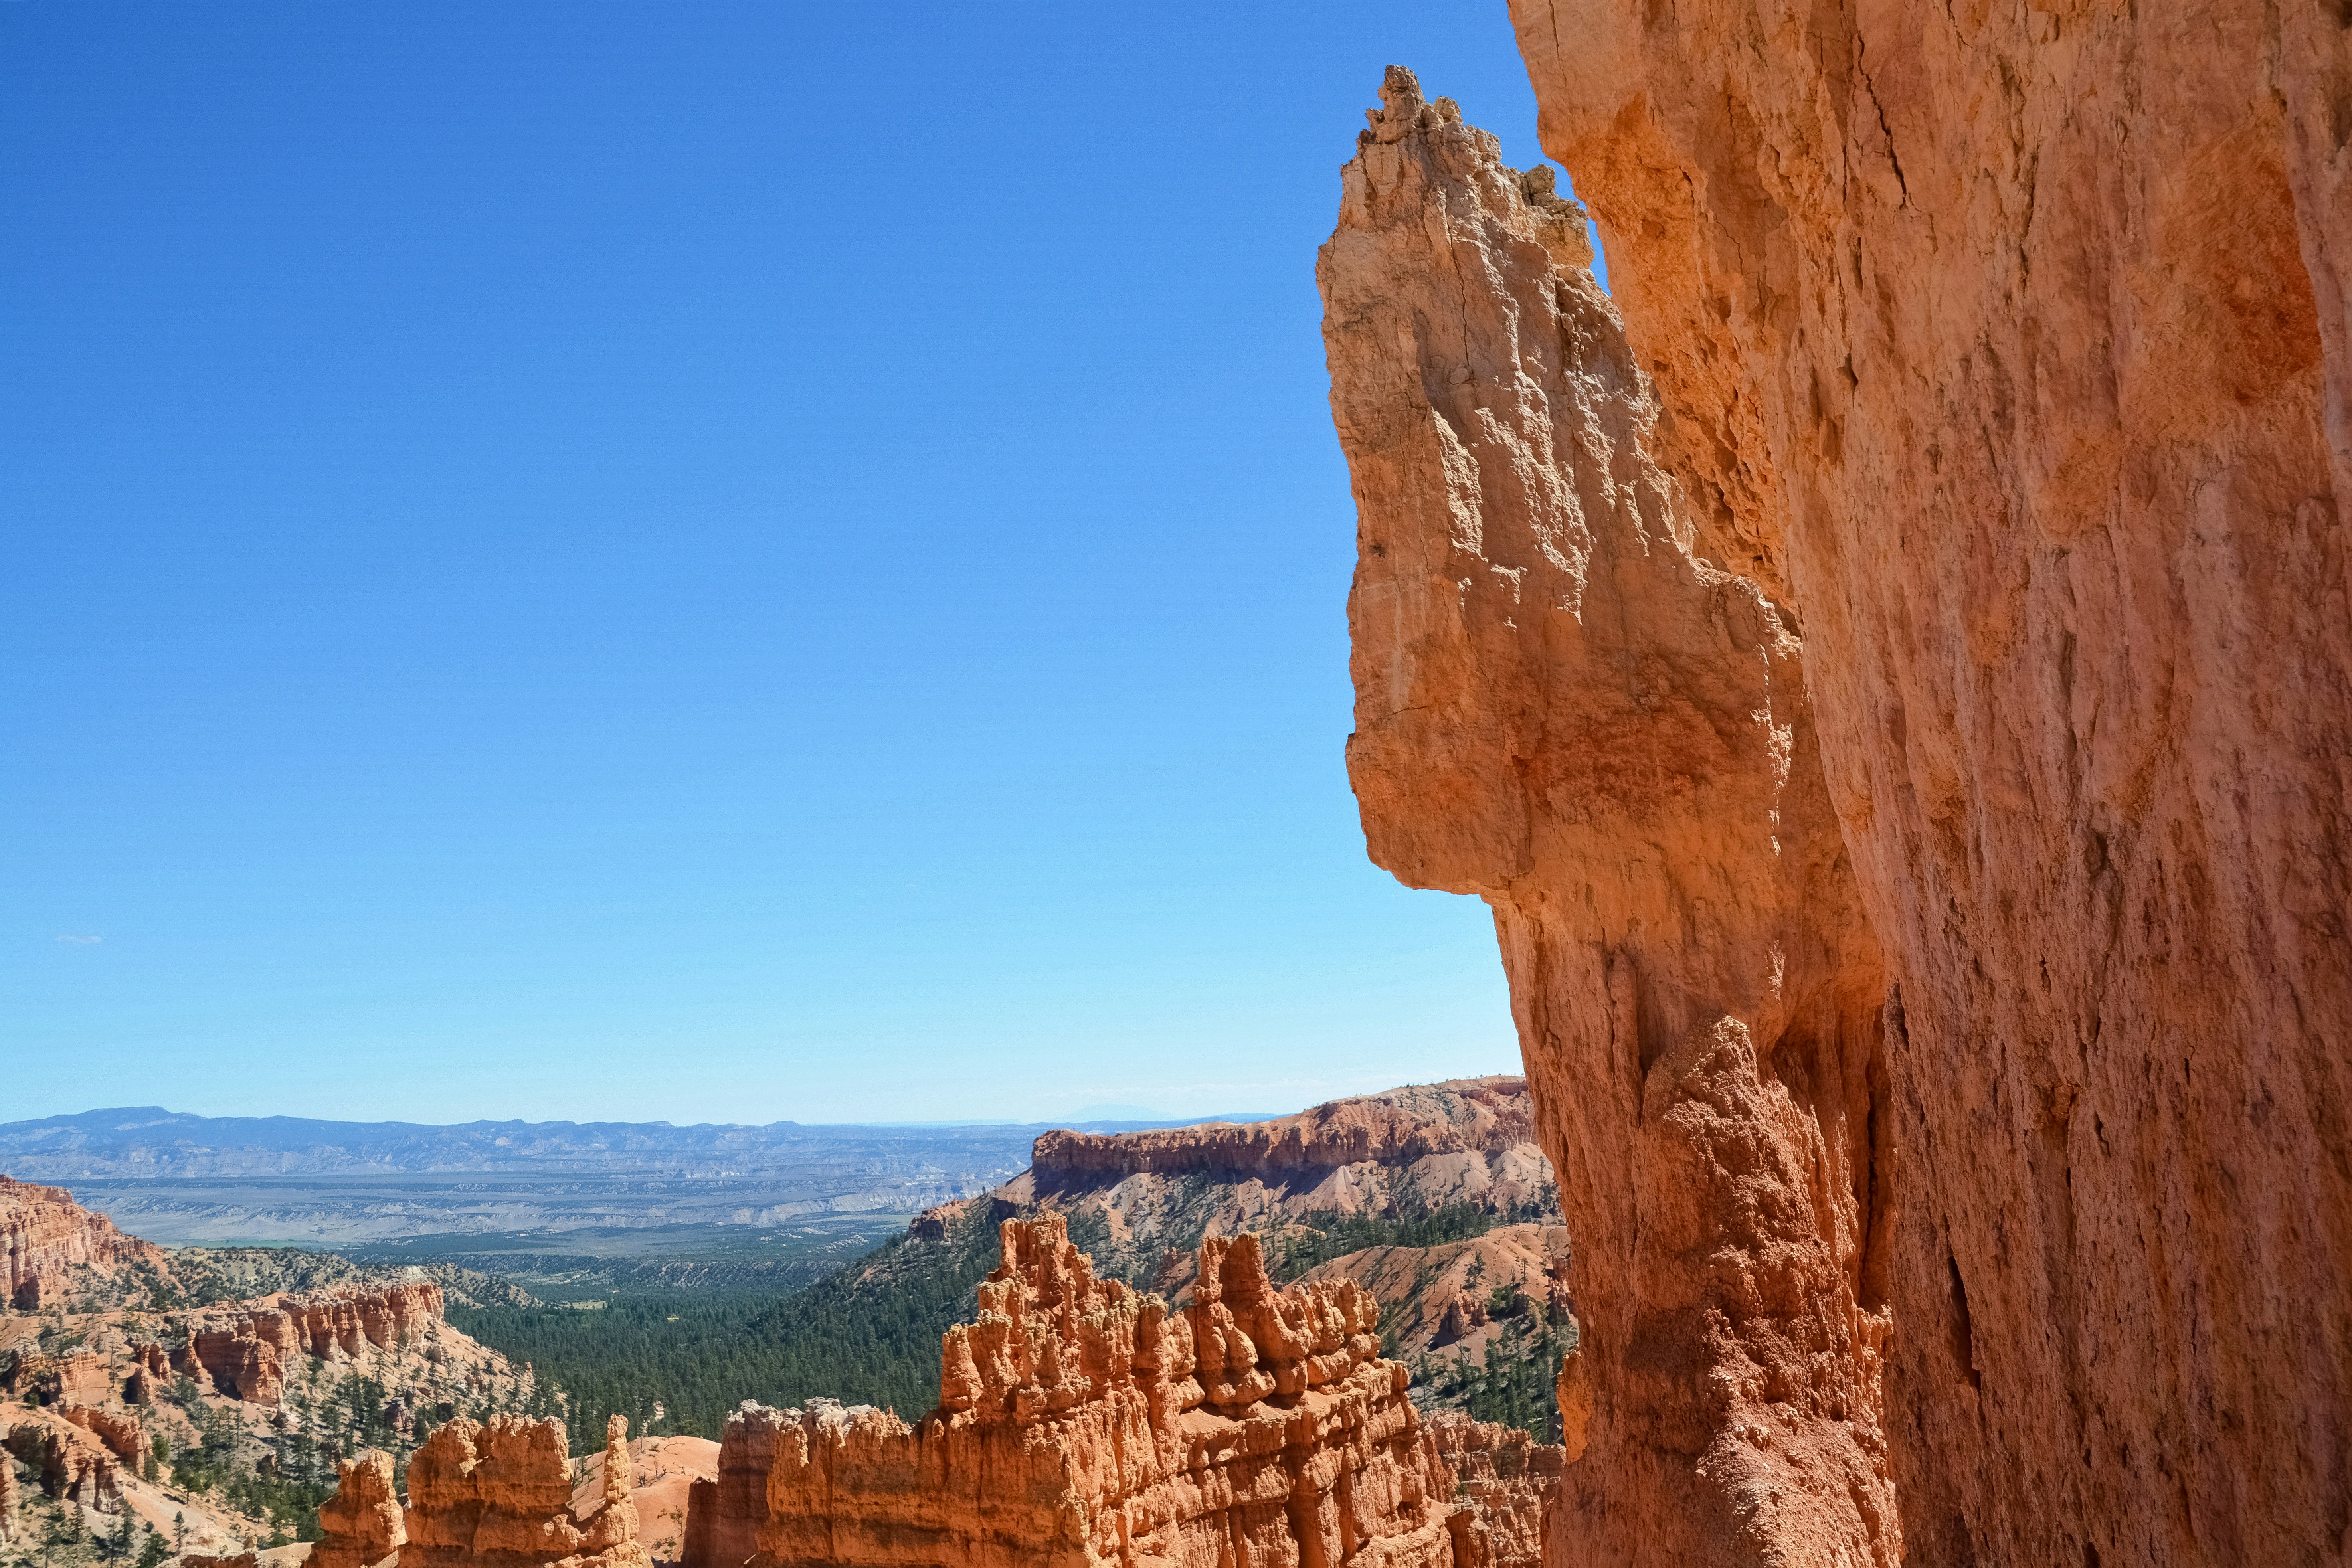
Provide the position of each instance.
(73, 1463)
(1894, 696)
(1494, 1114)
(1675, 912)
(122, 1434)
(500, 1495)
(361, 1524)
(79, 1377)
(1080, 1422)
(247, 1350)
(45, 1236)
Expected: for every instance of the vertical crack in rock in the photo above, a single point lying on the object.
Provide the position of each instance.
(1563, 708)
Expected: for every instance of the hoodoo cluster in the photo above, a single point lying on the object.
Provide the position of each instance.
(1080, 1422)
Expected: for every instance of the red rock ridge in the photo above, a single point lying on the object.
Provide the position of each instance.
(247, 1350)
(1082, 1424)
(1485, 1113)
(45, 1235)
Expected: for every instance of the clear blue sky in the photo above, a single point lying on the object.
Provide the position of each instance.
(712, 563)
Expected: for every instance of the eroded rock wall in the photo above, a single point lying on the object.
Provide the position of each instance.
(2004, 351)
(249, 1350)
(1083, 1424)
(1562, 708)
(46, 1239)
(2015, 339)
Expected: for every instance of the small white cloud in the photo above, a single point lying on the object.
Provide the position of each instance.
(82, 941)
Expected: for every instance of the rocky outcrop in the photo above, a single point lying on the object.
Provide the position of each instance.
(247, 1350)
(79, 1377)
(499, 1496)
(1393, 1128)
(72, 1463)
(1147, 1198)
(122, 1434)
(2003, 356)
(1561, 707)
(361, 1524)
(1509, 1475)
(1081, 1423)
(8, 1498)
(47, 1242)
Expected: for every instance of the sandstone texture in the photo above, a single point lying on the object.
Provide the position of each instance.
(122, 1434)
(498, 1495)
(1081, 1422)
(49, 1242)
(363, 1523)
(662, 1474)
(247, 1350)
(1896, 695)
(1562, 708)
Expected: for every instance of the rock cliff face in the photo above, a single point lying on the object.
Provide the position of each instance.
(361, 1524)
(499, 1496)
(47, 1241)
(247, 1350)
(1080, 1422)
(1143, 1201)
(122, 1434)
(2003, 358)
(1562, 708)
(1481, 1115)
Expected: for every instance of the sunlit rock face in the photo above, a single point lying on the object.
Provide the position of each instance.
(1080, 1422)
(1563, 708)
(50, 1244)
(498, 1494)
(2005, 356)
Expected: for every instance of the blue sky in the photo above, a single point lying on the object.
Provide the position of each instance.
(721, 563)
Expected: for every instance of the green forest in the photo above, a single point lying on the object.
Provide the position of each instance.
(681, 1360)
(866, 1335)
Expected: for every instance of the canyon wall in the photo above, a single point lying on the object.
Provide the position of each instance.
(47, 1240)
(1486, 1115)
(248, 1350)
(1080, 1422)
(1562, 708)
(2001, 356)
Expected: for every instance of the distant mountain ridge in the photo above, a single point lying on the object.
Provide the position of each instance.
(151, 1142)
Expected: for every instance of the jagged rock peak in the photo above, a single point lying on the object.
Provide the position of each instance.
(1083, 1423)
